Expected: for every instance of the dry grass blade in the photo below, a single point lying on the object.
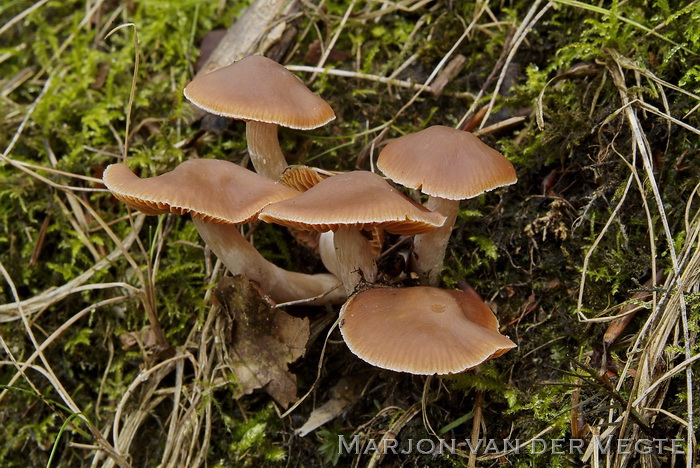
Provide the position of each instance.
(10, 312)
(628, 312)
(584, 270)
(189, 426)
(55, 382)
(476, 426)
(329, 48)
(670, 312)
(520, 34)
(64, 173)
(388, 7)
(132, 92)
(51, 338)
(19, 17)
(391, 434)
(151, 397)
(673, 306)
(479, 12)
(603, 11)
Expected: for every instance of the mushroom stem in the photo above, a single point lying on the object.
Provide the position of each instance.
(429, 248)
(241, 258)
(264, 149)
(355, 258)
(326, 249)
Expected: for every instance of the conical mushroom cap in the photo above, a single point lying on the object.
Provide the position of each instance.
(260, 89)
(211, 189)
(361, 199)
(446, 163)
(421, 330)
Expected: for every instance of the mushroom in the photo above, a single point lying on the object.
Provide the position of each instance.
(421, 330)
(220, 196)
(346, 204)
(264, 94)
(302, 178)
(448, 165)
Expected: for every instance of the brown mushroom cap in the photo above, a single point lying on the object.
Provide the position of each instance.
(446, 163)
(260, 89)
(361, 199)
(214, 190)
(421, 330)
(219, 195)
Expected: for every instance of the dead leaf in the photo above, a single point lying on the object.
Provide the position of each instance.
(313, 54)
(628, 312)
(342, 395)
(146, 337)
(263, 341)
(209, 43)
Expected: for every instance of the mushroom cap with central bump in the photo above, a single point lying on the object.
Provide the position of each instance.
(360, 199)
(260, 89)
(421, 330)
(446, 163)
(210, 189)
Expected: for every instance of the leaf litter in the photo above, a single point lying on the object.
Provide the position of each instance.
(262, 341)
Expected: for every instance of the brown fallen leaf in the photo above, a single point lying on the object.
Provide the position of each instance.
(313, 54)
(262, 341)
(343, 394)
(628, 312)
(209, 43)
(145, 337)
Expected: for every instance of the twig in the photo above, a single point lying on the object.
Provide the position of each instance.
(360, 76)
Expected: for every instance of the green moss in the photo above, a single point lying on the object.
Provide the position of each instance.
(521, 247)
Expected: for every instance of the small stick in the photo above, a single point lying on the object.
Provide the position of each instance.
(448, 74)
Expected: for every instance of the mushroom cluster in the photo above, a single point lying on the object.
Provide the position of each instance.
(416, 329)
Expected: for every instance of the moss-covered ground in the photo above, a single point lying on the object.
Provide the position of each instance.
(596, 105)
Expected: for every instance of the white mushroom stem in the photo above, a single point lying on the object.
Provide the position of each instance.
(429, 248)
(326, 249)
(355, 258)
(241, 258)
(264, 149)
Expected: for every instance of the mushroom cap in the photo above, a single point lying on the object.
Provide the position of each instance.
(421, 330)
(260, 89)
(361, 199)
(446, 163)
(211, 189)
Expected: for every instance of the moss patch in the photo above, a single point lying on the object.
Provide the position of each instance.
(586, 198)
